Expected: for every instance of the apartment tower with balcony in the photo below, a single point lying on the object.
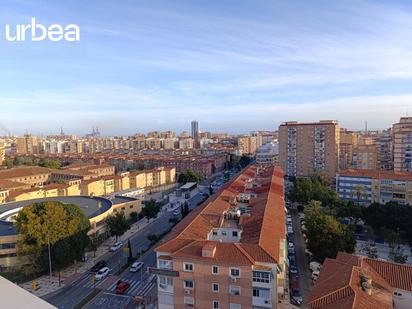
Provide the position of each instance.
(305, 148)
(230, 252)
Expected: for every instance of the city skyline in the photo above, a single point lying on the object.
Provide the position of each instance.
(158, 65)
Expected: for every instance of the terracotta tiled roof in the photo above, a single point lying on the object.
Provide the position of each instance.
(262, 231)
(376, 174)
(339, 283)
(23, 171)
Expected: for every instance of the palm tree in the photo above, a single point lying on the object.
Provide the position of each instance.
(360, 192)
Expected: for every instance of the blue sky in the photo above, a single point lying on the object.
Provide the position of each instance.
(233, 65)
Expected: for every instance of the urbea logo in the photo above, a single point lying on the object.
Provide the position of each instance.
(39, 32)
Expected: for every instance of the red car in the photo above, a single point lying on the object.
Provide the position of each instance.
(122, 287)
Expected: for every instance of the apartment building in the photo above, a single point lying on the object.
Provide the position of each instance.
(31, 175)
(267, 155)
(27, 144)
(369, 186)
(348, 140)
(2, 152)
(152, 178)
(230, 252)
(365, 156)
(308, 147)
(384, 143)
(351, 281)
(402, 145)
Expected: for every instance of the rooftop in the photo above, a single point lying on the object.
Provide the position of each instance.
(376, 174)
(262, 229)
(23, 171)
(355, 282)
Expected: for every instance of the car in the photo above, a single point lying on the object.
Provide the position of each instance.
(294, 282)
(136, 266)
(296, 297)
(99, 265)
(102, 273)
(122, 287)
(293, 270)
(315, 275)
(314, 266)
(116, 246)
(291, 245)
(291, 250)
(176, 213)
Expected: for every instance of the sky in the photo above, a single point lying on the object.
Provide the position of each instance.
(234, 65)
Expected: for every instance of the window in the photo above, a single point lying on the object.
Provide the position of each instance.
(234, 290)
(260, 292)
(235, 272)
(214, 233)
(188, 267)
(215, 287)
(261, 276)
(131, 206)
(215, 270)
(234, 233)
(215, 304)
(223, 233)
(188, 284)
(189, 301)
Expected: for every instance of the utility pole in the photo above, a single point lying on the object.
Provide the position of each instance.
(50, 266)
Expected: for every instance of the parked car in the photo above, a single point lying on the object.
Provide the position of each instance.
(99, 265)
(102, 273)
(314, 266)
(291, 245)
(315, 275)
(122, 287)
(291, 250)
(293, 270)
(296, 297)
(176, 213)
(116, 246)
(136, 266)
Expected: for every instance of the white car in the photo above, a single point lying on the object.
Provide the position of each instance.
(116, 246)
(314, 266)
(291, 245)
(102, 273)
(136, 266)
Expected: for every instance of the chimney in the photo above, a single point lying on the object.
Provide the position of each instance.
(366, 284)
(209, 249)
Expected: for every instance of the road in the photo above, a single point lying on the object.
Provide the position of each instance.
(72, 294)
(305, 281)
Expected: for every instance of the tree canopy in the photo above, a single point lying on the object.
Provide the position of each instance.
(64, 226)
(151, 209)
(326, 236)
(190, 176)
(117, 224)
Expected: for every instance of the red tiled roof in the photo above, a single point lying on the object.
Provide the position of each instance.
(262, 231)
(339, 283)
(376, 174)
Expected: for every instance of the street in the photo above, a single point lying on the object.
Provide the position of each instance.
(305, 280)
(72, 294)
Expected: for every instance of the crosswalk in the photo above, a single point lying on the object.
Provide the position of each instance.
(134, 286)
(87, 282)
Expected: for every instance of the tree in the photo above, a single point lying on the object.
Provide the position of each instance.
(151, 209)
(326, 236)
(63, 226)
(359, 192)
(190, 176)
(50, 164)
(133, 216)
(117, 224)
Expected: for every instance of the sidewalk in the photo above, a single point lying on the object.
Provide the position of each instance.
(73, 272)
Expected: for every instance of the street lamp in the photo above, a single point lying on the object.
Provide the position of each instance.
(50, 266)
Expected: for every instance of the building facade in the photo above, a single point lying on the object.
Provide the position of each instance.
(374, 186)
(402, 145)
(229, 254)
(308, 147)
